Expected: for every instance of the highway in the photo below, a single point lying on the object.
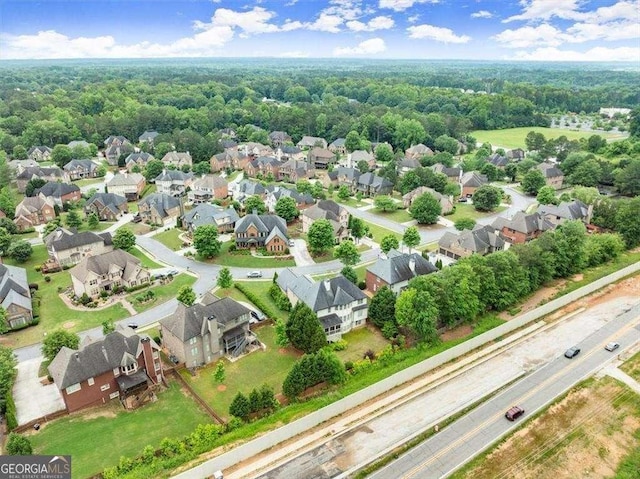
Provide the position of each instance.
(455, 445)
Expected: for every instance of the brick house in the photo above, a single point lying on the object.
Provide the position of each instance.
(138, 159)
(329, 210)
(173, 182)
(53, 174)
(207, 188)
(178, 159)
(129, 185)
(107, 206)
(567, 211)
(33, 211)
(59, 193)
(321, 158)
(80, 169)
(262, 231)
(159, 208)
(123, 365)
(481, 240)
(67, 248)
(231, 158)
(295, 170)
(470, 182)
(553, 176)
(522, 227)
(370, 184)
(396, 270)
(15, 296)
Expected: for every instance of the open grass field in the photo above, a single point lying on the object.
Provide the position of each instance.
(270, 366)
(170, 238)
(514, 137)
(587, 433)
(97, 438)
(399, 216)
(163, 292)
(225, 258)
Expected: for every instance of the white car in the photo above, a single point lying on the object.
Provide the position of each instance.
(612, 346)
(254, 274)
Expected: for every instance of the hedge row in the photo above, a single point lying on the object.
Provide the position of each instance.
(256, 300)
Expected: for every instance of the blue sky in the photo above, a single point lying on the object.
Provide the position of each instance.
(561, 30)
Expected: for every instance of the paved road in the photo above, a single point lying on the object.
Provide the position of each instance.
(455, 445)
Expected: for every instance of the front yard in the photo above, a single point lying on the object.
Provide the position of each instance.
(379, 232)
(399, 216)
(144, 259)
(163, 292)
(465, 210)
(244, 259)
(170, 238)
(98, 437)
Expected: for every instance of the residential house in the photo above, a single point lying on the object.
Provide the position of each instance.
(20, 165)
(453, 174)
(446, 202)
(207, 214)
(279, 138)
(115, 147)
(116, 141)
(290, 152)
(263, 166)
(173, 182)
(80, 169)
(329, 210)
(321, 158)
(205, 331)
(52, 174)
(262, 231)
(246, 188)
(303, 200)
(254, 150)
(230, 158)
(75, 143)
(470, 182)
(129, 185)
(178, 159)
(33, 211)
(522, 227)
(15, 296)
(396, 270)
(338, 146)
(567, 211)
(308, 142)
(67, 248)
(60, 193)
(106, 272)
(407, 164)
(159, 208)
(148, 137)
(207, 188)
(343, 176)
(357, 156)
(138, 159)
(123, 365)
(480, 240)
(370, 184)
(517, 154)
(498, 161)
(294, 170)
(39, 153)
(418, 151)
(107, 206)
(553, 176)
(338, 303)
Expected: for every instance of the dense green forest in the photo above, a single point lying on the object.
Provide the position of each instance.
(47, 103)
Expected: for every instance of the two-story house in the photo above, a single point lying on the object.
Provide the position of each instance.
(207, 330)
(59, 193)
(224, 219)
(129, 185)
(446, 202)
(247, 188)
(522, 227)
(231, 158)
(138, 159)
(80, 169)
(418, 151)
(107, 206)
(453, 174)
(207, 188)
(123, 365)
(338, 303)
(33, 211)
(106, 271)
(321, 158)
(262, 231)
(279, 138)
(173, 182)
(553, 176)
(178, 159)
(567, 211)
(159, 208)
(343, 176)
(470, 182)
(39, 153)
(15, 296)
(303, 200)
(338, 146)
(148, 137)
(292, 171)
(370, 184)
(67, 248)
(481, 240)
(264, 166)
(396, 270)
(51, 174)
(329, 210)
(308, 142)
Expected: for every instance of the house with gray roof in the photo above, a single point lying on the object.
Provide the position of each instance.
(138, 159)
(338, 146)
(247, 188)
(453, 174)
(418, 151)
(446, 202)
(553, 176)
(339, 304)
(106, 272)
(129, 185)
(293, 170)
(224, 219)
(279, 138)
(159, 208)
(106, 206)
(48, 173)
(522, 227)
(173, 182)
(262, 231)
(148, 137)
(311, 141)
(480, 240)
(80, 169)
(303, 200)
(178, 159)
(321, 158)
(205, 331)
(59, 193)
(407, 164)
(567, 211)
(123, 365)
(396, 270)
(67, 248)
(498, 161)
(39, 153)
(331, 211)
(370, 184)
(207, 188)
(15, 296)
(33, 211)
(470, 182)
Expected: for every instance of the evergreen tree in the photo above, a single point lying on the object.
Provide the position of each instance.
(304, 330)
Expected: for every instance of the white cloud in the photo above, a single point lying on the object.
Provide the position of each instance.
(620, 10)
(413, 18)
(346, 9)
(439, 34)
(402, 5)
(253, 21)
(377, 23)
(482, 14)
(368, 47)
(291, 3)
(543, 35)
(597, 54)
(584, 32)
(326, 23)
(546, 9)
(294, 54)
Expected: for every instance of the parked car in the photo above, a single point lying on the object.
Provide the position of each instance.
(514, 413)
(612, 346)
(137, 219)
(462, 199)
(254, 274)
(572, 352)
(132, 325)
(291, 243)
(172, 272)
(174, 359)
(258, 316)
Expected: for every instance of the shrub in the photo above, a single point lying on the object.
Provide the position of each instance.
(369, 354)
(47, 279)
(33, 286)
(261, 305)
(362, 285)
(340, 345)
(38, 269)
(103, 294)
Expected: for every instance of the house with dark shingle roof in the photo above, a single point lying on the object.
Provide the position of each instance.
(263, 165)
(396, 270)
(339, 304)
(67, 248)
(205, 331)
(452, 174)
(481, 240)
(148, 137)
(80, 169)
(279, 138)
(567, 211)
(207, 188)
(247, 188)
(329, 210)
(470, 182)
(129, 185)
(39, 153)
(553, 176)
(173, 182)
(15, 296)
(303, 200)
(338, 146)
(178, 159)
(59, 193)
(33, 211)
(321, 158)
(262, 231)
(446, 202)
(106, 206)
(123, 365)
(370, 184)
(137, 159)
(106, 272)
(158, 208)
(207, 214)
(293, 170)
(522, 227)
(498, 161)
(28, 173)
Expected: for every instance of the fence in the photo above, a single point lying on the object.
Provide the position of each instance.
(271, 439)
(195, 395)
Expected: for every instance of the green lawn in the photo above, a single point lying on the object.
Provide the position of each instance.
(632, 366)
(147, 262)
(100, 437)
(148, 190)
(465, 210)
(25, 236)
(103, 225)
(260, 289)
(163, 292)
(270, 366)
(399, 216)
(170, 238)
(225, 258)
(361, 340)
(514, 137)
(89, 181)
(361, 271)
(233, 176)
(379, 232)
(328, 256)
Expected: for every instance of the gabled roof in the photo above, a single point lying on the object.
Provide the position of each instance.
(338, 142)
(249, 188)
(524, 223)
(107, 199)
(208, 214)
(323, 153)
(141, 157)
(161, 202)
(398, 267)
(473, 179)
(418, 150)
(478, 240)
(279, 135)
(175, 156)
(549, 170)
(129, 179)
(32, 204)
(448, 172)
(311, 141)
(352, 174)
(14, 287)
(574, 210)
(263, 223)
(62, 239)
(148, 135)
(56, 190)
(102, 263)
(41, 172)
(84, 164)
(41, 149)
(374, 181)
(210, 182)
(173, 175)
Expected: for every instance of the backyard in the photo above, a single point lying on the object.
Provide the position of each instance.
(98, 437)
(244, 259)
(260, 289)
(360, 341)
(514, 137)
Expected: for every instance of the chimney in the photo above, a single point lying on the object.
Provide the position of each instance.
(412, 264)
(77, 355)
(327, 285)
(164, 171)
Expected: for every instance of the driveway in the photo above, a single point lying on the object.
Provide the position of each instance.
(301, 253)
(34, 400)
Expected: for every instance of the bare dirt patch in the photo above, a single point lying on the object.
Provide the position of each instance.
(584, 435)
(456, 333)
(68, 325)
(221, 387)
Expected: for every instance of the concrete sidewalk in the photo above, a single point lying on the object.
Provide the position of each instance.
(620, 375)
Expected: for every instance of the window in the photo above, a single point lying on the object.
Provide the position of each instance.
(93, 282)
(116, 372)
(156, 355)
(90, 381)
(105, 387)
(193, 340)
(114, 395)
(73, 388)
(194, 351)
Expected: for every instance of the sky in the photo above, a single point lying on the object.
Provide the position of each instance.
(538, 30)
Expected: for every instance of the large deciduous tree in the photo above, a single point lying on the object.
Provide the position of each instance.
(547, 196)
(186, 295)
(304, 330)
(385, 203)
(627, 222)
(61, 155)
(255, 204)
(20, 250)
(286, 208)
(225, 280)
(124, 239)
(417, 312)
(56, 340)
(388, 243)
(487, 198)
(425, 209)
(382, 307)
(532, 181)
(205, 241)
(411, 237)
(320, 236)
(347, 252)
